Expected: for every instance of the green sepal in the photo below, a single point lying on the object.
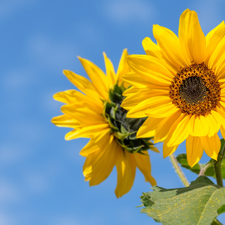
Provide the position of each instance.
(123, 128)
(208, 167)
(116, 93)
(200, 203)
(120, 135)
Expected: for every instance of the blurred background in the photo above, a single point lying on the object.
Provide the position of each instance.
(41, 180)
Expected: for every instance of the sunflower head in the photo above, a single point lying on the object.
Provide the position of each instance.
(180, 86)
(95, 112)
(124, 128)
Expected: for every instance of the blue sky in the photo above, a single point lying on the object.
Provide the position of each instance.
(41, 179)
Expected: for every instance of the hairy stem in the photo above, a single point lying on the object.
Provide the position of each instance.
(203, 169)
(178, 170)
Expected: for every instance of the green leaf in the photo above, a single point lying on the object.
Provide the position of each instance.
(197, 204)
(182, 159)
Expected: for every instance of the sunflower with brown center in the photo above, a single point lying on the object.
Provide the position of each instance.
(96, 114)
(180, 86)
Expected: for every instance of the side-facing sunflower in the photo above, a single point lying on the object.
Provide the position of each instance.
(183, 88)
(96, 114)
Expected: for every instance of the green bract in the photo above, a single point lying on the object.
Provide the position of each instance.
(123, 128)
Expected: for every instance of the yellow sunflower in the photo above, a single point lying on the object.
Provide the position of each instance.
(180, 86)
(96, 114)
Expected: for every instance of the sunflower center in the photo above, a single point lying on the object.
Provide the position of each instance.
(195, 90)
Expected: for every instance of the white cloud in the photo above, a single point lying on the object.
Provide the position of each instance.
(130, 10)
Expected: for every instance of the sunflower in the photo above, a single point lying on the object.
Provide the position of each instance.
(180, 86)
(96, 114)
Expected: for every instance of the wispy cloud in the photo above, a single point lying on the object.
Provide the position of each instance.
(130, 10)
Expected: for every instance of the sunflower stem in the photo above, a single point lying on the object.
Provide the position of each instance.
(178, 170)
(217, 167)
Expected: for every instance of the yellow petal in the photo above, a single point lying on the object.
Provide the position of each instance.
(168, 150)
(164, 126)
(89, 148)
(211, 145)
(134, 90)
(82, 83)
(151, 69)
(179, 131)
(170, 47)
(65, 121)
(149, 104)
(81, 113)
(192, 39)
(97, 77)
(199, 126)
(214, 34)
(151, 48)
(123, 67)
(219, 68)
(134, 99)
(68, 97)
(136, 80)
(126, 169)
(217, 56)
(148, 127)
(101, 164)
(214, 123)
(222, 132)
(97, 143)
(110, 73)
(213, 38)
(194, 150)
(87, 131)
(162, 111)
(143, 164)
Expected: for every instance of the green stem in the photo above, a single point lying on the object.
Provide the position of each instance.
(217, 167)
(178, 170)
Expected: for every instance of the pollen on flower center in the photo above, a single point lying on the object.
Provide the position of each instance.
(195, 90)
